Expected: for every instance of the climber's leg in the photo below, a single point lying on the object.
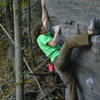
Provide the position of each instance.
(63, 61)
(69, 80)
(71, 91)
(69, 44)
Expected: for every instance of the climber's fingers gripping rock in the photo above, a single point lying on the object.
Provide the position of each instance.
(43, 2)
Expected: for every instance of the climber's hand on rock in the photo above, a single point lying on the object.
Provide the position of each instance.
(90, 32)
(57, 29)
(43, 2)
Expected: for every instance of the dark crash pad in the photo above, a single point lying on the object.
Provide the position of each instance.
(71, 15)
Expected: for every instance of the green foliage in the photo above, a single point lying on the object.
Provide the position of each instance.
(2, 3)
(0, 13)
(8, 64)
(37, 19)
(24, 4)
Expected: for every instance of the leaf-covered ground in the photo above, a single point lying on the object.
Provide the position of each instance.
(50, 82)
(5, 74)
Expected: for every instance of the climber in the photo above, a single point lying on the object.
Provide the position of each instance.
(60, 56)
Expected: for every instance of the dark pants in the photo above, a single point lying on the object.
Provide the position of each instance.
(63, 60)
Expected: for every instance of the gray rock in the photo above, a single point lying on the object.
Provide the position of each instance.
(71, 15)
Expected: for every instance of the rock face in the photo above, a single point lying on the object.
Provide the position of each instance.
(72, 15)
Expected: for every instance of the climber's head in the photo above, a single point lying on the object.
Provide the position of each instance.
(37, 30)
(42, 30)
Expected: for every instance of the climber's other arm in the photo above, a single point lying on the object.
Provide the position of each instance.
(44, 15)
(53, 42)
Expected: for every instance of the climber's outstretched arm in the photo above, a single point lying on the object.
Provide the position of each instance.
(44, 15)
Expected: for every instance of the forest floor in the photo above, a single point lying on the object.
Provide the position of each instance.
(5, 87)
(50, 82)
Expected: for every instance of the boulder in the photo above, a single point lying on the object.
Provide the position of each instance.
(75, 15)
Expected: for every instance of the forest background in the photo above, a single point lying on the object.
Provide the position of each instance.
(35, 82)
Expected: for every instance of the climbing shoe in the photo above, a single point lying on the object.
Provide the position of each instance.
(94, 26)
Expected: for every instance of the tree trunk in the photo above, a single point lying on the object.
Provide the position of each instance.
(8, 18)
(29, 35)
(18, 52)
(29, 19)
